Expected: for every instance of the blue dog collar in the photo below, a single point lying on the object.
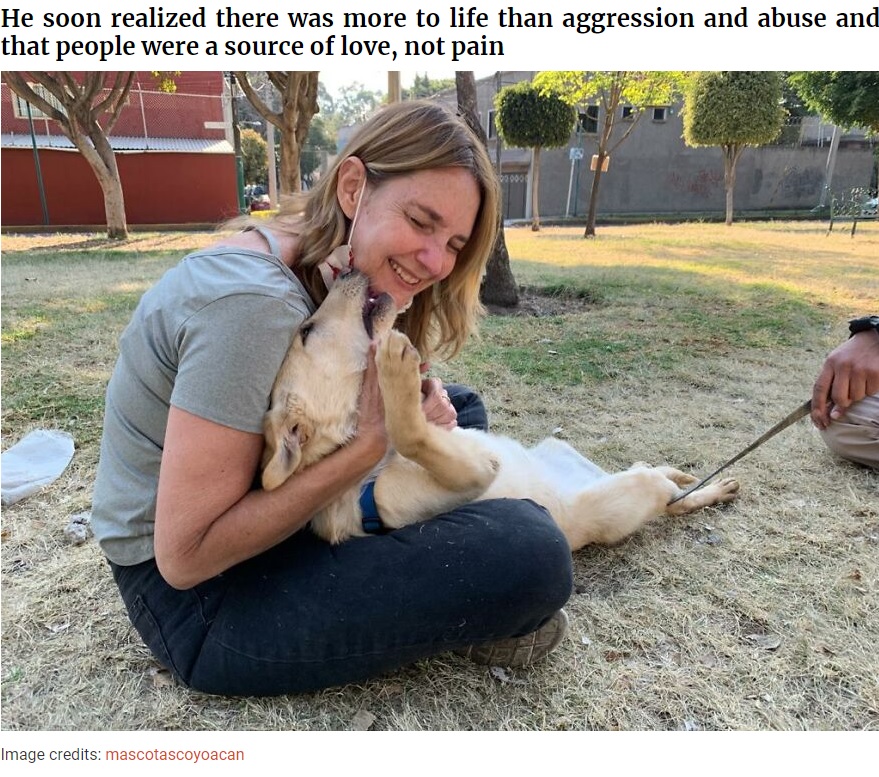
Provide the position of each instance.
(372, 522)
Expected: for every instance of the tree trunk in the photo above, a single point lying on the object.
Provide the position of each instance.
(298, 90)
(593, 199)
(731, 153)
(291, 179)
(498, 285)
(611, 105)
(103, 162)
(86, 102)
(535, 189)
(300, 106)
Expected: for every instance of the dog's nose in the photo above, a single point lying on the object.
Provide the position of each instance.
(352, 277)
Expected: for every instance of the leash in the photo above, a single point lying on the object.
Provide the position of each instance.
(783, 424)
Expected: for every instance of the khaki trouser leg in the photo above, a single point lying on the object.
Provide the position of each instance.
(856, 436)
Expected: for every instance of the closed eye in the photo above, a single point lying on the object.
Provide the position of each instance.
(455, 248)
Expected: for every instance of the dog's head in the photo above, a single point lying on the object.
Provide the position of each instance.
(313, 408)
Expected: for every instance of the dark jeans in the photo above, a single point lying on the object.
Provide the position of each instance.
(307, 615)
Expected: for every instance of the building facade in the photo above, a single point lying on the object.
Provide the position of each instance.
(655, 172)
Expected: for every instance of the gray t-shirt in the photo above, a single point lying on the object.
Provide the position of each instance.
(208, 338)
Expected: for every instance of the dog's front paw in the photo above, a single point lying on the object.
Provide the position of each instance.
(397, 361)
(400, 380)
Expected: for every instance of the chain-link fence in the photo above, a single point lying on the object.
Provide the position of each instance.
(150, 120)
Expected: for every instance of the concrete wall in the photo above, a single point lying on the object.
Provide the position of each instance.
(655, 172)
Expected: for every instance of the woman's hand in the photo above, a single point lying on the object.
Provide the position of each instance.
(371, 429)
(437, 407)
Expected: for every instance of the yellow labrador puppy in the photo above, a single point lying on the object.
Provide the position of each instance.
(432, 470)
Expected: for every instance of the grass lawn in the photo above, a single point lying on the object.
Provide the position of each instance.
(668, 344)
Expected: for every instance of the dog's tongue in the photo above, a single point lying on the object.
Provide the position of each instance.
(367, 315)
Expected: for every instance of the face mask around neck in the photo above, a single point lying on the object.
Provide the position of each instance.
(342, 258)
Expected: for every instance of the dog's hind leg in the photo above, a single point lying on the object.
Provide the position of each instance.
(682, 479)
(615, 507)
(723, 491)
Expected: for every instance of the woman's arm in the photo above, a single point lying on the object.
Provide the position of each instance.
(208, 518)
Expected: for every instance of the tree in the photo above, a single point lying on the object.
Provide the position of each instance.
(531, 118)
(86, 108)
(298, 98)
(355, 103)
(498, 286)
(325, 100)
(733, 109)
(317, 145)
(423, 86)
(849, 98)
(254, 156)
(634, 90)
(166, 80)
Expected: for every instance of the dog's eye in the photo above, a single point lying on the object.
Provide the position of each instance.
(304, 331)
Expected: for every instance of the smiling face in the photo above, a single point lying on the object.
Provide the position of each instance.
(409, 228)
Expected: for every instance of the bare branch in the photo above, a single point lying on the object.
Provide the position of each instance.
(257, 102)
(116, 99)
(18, 82)
(278, 79)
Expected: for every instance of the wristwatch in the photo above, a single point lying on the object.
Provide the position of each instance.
(863, 324)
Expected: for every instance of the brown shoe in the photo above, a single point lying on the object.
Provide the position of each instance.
(520, 651)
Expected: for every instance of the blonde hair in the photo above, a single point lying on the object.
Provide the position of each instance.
(401, 139)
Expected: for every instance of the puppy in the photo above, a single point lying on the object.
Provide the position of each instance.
(432, 470)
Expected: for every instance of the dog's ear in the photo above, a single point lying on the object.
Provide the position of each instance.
(285, 435)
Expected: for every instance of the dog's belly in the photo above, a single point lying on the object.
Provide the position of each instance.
(549, 473)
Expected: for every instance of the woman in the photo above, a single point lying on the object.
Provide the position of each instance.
(220, 578)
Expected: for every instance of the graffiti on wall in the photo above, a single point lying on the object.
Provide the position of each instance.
(801, 182)
(701, 184)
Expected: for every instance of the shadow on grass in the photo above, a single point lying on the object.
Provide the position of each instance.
(96, 246)
(592, 325)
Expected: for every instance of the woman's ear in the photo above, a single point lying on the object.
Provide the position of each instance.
(349, 182)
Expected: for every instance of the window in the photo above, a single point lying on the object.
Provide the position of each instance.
(19, 105)
(587, 121)
(491, 130)
(660, 114)
(628, 113)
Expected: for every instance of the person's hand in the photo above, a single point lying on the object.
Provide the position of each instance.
(435, 402)
(850, 373)
(371, 412)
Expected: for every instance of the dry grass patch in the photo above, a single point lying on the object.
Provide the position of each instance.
(674, 344)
